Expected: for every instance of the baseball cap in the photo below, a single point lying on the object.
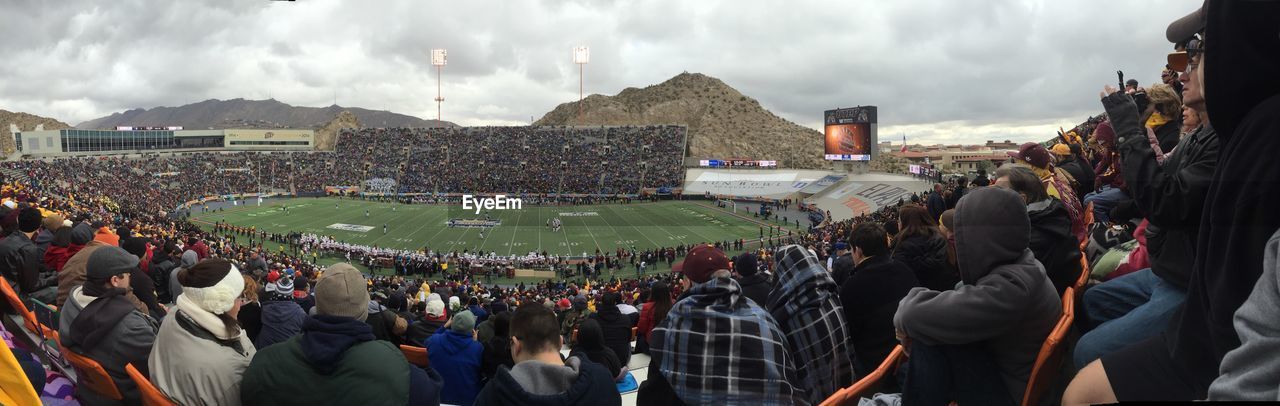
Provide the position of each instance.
(1184, 28)
(701, 262)
(1032, 153)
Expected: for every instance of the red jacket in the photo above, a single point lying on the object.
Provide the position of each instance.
(55, 257)
(647, 321)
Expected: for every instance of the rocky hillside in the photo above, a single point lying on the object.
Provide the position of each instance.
(327, 135)
(25, 122)
(723, 123)
(241, 113)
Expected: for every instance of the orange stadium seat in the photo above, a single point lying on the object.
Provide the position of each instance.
(151, 395)
(864, 386)
(1084, 275)
(89, 374)
(1049, 361)
(415, 355)
(633, 333)
(28, 317)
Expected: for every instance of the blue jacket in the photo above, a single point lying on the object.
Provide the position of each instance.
(280, 321)
(456, 356)
(481, 314)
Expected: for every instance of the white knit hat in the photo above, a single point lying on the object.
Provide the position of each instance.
(212, 284)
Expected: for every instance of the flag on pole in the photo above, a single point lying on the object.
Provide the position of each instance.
(904, 143)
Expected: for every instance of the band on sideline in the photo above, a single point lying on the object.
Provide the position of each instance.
(499, 202)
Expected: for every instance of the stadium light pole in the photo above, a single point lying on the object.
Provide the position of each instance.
(581, 55)
(439, 57)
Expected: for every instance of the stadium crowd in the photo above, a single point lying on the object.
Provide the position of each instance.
(965, 284)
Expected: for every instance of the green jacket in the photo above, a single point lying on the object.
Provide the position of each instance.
(368, 373)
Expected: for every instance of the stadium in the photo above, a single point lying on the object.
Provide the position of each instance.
(679, 243)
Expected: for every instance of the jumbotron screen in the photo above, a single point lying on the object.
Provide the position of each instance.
(850, 133)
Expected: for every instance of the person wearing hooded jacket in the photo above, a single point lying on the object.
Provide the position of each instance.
(540, 376)
(1171, 193)
(337, 357)
(615, 326)
(1050, 238)
(976, 344)
(806, 304)
(1239, 64)
(99, 323)
(282, 318)
(457, 355)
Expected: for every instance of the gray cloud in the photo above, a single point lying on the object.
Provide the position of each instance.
(941, 71)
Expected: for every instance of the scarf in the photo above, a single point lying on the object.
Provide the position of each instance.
(1155, 121)
(97, 320)
(806, 304)
(716, 346)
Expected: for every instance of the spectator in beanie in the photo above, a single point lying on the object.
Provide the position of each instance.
(282, 318)
(870, 297)
(337, 356)
(22, 262)
(49, 225)
(201, 352)
(806, 304)
(1111, 188)
(755, 284)
(992, 326)
(713, 325)
(99, 323)
(144, 288)
(387, 325)
(921, 246)
(456, 354)
(540, 376)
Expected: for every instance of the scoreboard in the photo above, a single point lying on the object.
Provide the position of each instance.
(729, 163)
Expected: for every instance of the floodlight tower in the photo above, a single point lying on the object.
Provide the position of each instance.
(439, 57)
(581, 55)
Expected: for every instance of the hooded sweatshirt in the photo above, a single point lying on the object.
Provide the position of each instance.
(1006, 301)
(1243, 92)
(535, 383)
(281, 319)
(457, 357)
(1252, 371)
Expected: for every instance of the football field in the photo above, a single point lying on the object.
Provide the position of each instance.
(514, 232)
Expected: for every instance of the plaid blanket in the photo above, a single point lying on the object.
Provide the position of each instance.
(717, 347)
(807, 307)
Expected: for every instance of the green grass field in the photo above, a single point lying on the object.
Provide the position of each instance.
(413, 227)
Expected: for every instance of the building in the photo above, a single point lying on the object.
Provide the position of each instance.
(70, 142)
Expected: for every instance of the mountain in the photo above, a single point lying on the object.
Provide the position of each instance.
(241, 113)
(25, 122)
(327, 135)
(723, 123)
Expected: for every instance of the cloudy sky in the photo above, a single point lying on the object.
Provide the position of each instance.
(939, 70)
